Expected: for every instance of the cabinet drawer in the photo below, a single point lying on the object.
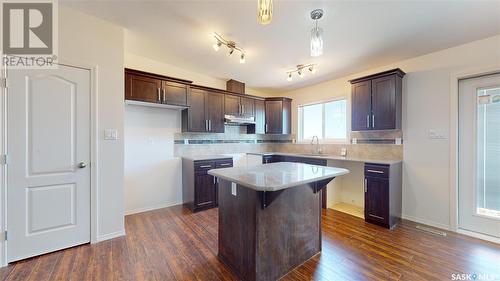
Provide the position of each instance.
(204, 165)
(224, 163)
(377, 171)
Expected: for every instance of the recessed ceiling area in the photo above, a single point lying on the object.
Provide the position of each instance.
(358, 35)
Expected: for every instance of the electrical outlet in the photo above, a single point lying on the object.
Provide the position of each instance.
(111, 134)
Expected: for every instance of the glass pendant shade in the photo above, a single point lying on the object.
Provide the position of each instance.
(316, 42)
(264, 11)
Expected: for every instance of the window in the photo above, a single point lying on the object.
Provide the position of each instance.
(326, 120)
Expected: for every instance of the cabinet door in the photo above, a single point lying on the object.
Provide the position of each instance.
(260, 117)
(205, 190)
(247, 106)
(384, 103)
(231, 105)
(361, 106)
(174, 93)
(274, 117)
(197, 121)
(215, 112)
(377, 200)
(142, 88)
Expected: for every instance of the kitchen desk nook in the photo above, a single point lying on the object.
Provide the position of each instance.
(270, 216)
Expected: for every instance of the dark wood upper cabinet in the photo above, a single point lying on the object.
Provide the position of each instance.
(278, 115)
(142, 88)
(361, 105)
(147, 87)
(260, 117)
(235, 86)
(247, 106)
(377, 101)
(194, 118)
(232, 105)
(205, 112)
(174, 93)
(214, 107)
(236, 105)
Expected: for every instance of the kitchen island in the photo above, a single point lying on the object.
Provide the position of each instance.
(270, 216)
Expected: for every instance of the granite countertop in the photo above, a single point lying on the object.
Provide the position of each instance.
(277, 176)
(330, 157)
(207, 157)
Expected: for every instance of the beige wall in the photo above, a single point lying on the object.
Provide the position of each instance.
(426, 105)
(86, 40)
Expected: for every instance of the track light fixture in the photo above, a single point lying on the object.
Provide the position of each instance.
(300, 70)
(231, 45)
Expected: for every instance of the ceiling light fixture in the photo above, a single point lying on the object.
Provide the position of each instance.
(299, 69)
(231, 45)
(264, 11)
(316, 34)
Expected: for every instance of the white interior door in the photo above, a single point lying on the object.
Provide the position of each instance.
(479, 155)
(48, 143)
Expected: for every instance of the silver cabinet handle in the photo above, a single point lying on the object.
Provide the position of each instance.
(158, 94)
(205, 166)
(375, 171)
(366, 183)
(82, 165)
(242, 108)
(164, 96)
(209, 125)
(265, 130)
(214, 180)
(225, 164)
(373, 120)
(206, 124)
(368, 121)
(377, 217)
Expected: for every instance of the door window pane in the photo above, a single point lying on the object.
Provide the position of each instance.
(488, 152)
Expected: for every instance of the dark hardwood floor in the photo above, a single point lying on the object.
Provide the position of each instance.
(174, 244)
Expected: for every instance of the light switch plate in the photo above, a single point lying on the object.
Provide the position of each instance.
(435, 134)
(111, 134)
(233, 189)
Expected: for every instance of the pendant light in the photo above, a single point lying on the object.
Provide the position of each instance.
(264, 11)
(316, 34)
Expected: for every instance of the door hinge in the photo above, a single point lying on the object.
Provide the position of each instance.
(4, 159)
(3, 82)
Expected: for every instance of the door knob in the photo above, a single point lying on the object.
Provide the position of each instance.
(82, 165)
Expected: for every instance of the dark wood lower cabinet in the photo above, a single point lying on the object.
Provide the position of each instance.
(199, 189)
(383, 191)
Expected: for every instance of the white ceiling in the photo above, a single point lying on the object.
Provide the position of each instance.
(357, 34)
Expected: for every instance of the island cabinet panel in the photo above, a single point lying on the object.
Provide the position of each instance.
(263, 243)
(142, 88)
(278, 116)
(199, 189)
(260, 117)
(383, 191)
(376, 101)
(205, 112)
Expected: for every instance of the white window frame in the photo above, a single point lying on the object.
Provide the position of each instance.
(323, 140)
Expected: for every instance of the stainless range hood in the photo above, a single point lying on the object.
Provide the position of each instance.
(239, 120)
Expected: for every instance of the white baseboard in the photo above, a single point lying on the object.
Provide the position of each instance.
(479, 235)
(110, 235)
(151, 208)
(427, 222)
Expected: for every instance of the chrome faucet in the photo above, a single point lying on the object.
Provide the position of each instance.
(318, 150)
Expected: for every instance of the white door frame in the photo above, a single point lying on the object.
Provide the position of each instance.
(454, 79)
(94, 157)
